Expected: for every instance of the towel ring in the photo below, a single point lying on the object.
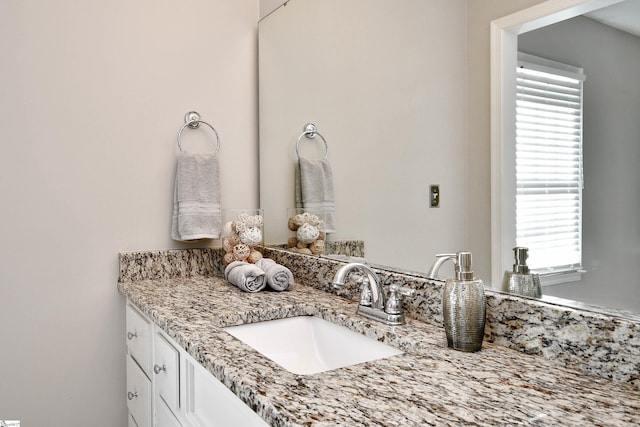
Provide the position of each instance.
(310, 131)
(192, 119)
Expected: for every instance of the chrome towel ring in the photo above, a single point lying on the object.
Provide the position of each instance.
(310, 131)
(192, 120)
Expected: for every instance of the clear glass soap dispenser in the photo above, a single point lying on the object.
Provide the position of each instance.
(521, 281)
(463, 304)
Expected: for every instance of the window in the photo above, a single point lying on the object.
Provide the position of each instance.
(549, 175)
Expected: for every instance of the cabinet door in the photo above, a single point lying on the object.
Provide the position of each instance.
(166, 371)
(164, 416)
(211, 404)
(139, 338)
(138, 394)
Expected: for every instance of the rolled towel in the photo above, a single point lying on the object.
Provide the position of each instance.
(245, 276)
(196, 198)
(279, 277)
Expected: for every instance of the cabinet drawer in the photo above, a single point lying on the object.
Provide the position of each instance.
(166, 371)
(139, 338)
(210, 403)
(164, 416)
(138, 394)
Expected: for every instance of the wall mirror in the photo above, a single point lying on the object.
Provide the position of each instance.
(575, 33)
(391, 108)
(388, 105)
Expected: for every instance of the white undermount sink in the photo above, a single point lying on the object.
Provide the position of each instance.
(308, 345)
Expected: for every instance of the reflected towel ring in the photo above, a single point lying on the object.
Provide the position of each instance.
(192, 119)
(310, 131)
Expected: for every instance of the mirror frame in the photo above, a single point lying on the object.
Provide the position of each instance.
(503, 62)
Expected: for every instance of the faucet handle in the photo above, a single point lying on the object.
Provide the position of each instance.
(394, 303)
(365, 295)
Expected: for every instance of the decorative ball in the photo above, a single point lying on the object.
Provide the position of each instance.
(314, 220)
(298, 219)
(254, 221)
(241, 252)
(228, 258)
(317, 247)
(292, 242)
(239, 226)
(234, 239)
(305, 251)
(227, 229)
(251, 236)
(307, 233)
(227, 245)
(292, 224)
(254, 256)
(301, 245)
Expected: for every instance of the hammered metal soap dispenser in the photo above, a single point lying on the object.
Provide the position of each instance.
(463, 303)
(521, 281)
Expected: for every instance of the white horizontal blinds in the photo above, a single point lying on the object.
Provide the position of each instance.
(549, 177)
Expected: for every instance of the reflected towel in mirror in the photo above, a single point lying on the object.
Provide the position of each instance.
(314, 189)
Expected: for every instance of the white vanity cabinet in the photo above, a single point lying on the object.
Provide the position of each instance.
(166, 387)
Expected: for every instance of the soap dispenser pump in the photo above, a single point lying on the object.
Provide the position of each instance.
(521, 281)
(463, 304)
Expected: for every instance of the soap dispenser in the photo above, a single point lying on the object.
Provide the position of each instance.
(521, 281)
(463, 304)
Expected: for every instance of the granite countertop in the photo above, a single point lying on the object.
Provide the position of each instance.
(429, 384)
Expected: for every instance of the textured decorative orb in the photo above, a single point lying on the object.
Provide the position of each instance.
(239, 226)
(228, 258)
(305, 251)
(234, 239)
(252, 236)
(254, 256)
(307, 233)
(254, 221)
(227, 229)
(292, 242)
(298, 219)
(241, 252)
(292, 224)
(317, 247)
(226, 245)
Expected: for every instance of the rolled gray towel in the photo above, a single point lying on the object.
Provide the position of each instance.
(245, 276)
(279, 277)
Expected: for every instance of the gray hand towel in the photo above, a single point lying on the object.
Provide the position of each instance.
(314, 189)
(196, 200)
(279, 277)
(245, 276)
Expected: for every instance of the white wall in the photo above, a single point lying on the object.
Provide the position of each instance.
(611, 202)
(92, 94)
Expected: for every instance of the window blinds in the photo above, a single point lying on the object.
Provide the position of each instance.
(549, 177)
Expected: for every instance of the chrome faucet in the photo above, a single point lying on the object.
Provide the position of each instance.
(373, 304)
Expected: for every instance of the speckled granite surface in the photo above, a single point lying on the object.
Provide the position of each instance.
(590, 342)
(427, 385)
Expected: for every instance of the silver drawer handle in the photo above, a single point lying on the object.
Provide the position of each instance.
(131, 396)
(157, 369)
(131, 335)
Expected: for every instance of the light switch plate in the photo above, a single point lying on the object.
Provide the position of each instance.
(434, 196)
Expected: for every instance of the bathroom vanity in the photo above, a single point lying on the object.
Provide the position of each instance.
(186, 304)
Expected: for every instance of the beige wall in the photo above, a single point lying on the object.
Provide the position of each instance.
(92, 94)
(480, 13)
